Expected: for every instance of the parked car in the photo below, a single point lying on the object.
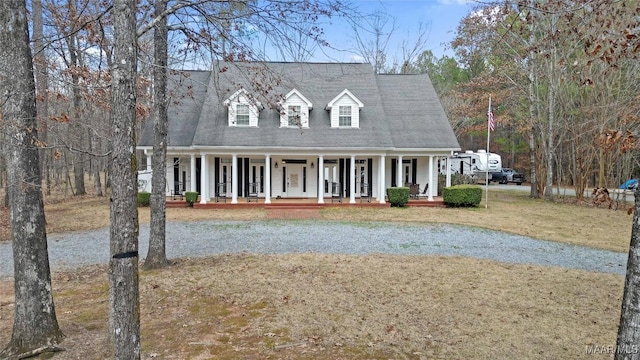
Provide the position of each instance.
(507, 175)
(630, 184)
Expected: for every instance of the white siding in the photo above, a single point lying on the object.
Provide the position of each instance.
(253, 110)
(345, 100)
(295, 100)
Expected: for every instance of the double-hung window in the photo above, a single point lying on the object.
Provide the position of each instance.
(344, 116)
(242, 115)
(294, 113)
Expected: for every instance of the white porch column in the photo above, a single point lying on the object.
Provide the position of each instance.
(204, 179)
(267, 179)
(431, 184)
(149, 166)
(399, 174)
(234, 178)
(320, 179)
(381, 180)
(193, 185)
(352, 181)
(448, 176)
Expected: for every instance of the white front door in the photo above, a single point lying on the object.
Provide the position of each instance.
(294, 179)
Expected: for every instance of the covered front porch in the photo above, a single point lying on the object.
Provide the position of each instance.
(297, 203)
(288, 177)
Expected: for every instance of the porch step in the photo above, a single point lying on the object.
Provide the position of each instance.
(293, 206)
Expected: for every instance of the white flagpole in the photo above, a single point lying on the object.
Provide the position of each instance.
(486, 184)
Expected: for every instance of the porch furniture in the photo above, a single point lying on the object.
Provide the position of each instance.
(252, 195)
(414, 191)
(177, 191)
(221, 192)
(424, 193)
(336, 192)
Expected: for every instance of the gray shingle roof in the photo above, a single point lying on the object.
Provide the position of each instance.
(400, 111)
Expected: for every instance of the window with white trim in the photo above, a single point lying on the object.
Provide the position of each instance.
(243, 109)
(242, 115)
(294, 110)
(294, 113)
(344, 116)
(345, 111)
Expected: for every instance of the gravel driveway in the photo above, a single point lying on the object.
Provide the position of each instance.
(189, 239)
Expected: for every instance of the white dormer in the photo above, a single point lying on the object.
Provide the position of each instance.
(345, 110)
(295, 110)
(243, 110)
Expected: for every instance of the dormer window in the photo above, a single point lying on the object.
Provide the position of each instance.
(344, 116)
(345, 110)
(295, 110)
(294, 113)
(243, 109)
(242, 115)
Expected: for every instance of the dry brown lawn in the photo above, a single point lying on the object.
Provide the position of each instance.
(318, 306)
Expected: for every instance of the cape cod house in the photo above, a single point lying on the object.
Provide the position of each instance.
(301, 130)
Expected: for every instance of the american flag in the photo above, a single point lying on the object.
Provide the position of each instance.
(492, 124)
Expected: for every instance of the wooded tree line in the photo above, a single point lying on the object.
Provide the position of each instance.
(563, 76)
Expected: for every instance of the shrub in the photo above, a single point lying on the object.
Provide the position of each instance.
(144, 198)
(191, 197)
(462, 195)
(398, 196)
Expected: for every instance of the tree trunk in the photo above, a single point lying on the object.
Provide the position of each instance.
(532, 113)
(35, 325)
(628, 345)
(94, 145)
(532, 141)
(76, 135)
(124, 314)
(550, 130)
(42, 84)
(156, 257)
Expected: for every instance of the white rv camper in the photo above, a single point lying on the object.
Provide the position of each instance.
(475, 164)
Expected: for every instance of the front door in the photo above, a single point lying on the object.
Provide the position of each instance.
(294, 180)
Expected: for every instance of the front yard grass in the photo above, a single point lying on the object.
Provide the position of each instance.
(320, 306)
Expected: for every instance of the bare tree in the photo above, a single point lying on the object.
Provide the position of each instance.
(410, 50)
(295, 43)
(124, 315)
(35, 326)
(372, 39)
(156, 257)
